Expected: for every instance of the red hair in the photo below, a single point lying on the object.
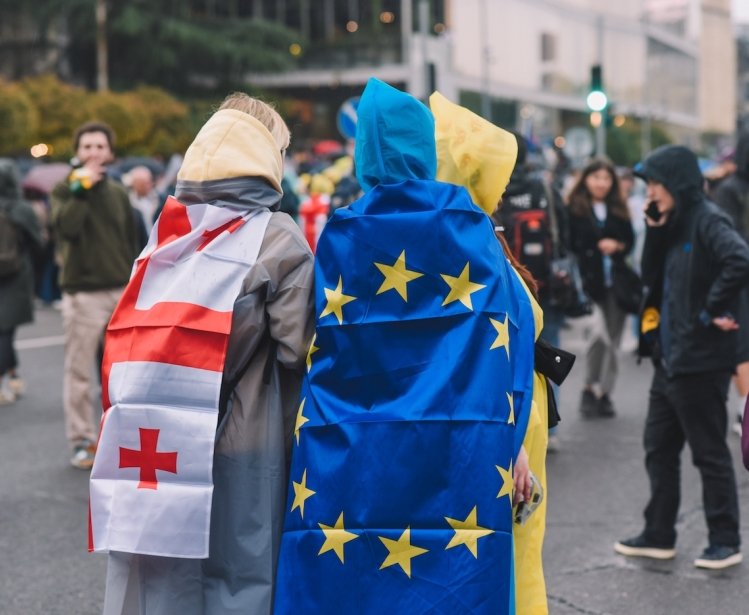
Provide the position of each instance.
(522, 270)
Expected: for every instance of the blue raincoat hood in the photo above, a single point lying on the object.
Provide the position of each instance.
(394, 137)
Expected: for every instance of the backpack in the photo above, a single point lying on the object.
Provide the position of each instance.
(528, 231)
(11, 260)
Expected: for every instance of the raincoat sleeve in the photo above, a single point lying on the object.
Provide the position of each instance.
(291, 301)
(278, 294)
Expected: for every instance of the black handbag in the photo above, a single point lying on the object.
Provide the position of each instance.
(565, 286)
(627, 286)
(554, 364)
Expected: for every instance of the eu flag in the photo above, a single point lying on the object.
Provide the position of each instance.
(418, 386)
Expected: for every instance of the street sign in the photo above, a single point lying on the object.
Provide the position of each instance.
(578, 143)
(347, 117)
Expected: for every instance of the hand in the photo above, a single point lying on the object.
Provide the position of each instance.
(725, 323)
(95, 171)
(522, 478)
(609, 246)
(660, 222)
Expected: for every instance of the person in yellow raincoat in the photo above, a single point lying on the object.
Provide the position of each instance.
(474, 153)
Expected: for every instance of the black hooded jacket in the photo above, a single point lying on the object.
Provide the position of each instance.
(732, 194)
(704, 262)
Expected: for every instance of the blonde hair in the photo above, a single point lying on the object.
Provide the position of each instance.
(263, 112)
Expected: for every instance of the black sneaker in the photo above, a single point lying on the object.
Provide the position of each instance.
(640, 547)
(605, 407)
(718, 557)
(588, 404)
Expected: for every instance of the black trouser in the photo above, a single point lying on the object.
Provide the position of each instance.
(8, 359)
(693, 409)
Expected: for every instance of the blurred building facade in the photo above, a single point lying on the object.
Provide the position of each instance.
(526, 63)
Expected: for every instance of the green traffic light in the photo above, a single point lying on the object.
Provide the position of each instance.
(597, 100)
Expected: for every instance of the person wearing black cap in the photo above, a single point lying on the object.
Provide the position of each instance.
(694, 266)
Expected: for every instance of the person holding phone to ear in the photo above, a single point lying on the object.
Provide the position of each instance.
(694, 266)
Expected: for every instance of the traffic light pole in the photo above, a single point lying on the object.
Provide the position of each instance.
(601, 128)
(601, 138)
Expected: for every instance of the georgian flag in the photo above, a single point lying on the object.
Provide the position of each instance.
(151, 484)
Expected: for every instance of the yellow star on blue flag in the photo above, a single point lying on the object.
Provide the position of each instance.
(461, 288)
(397, 276)
(336, 300)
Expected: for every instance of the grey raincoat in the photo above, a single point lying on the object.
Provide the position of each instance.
(272, 326)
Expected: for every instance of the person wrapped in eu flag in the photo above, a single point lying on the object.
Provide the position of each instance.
(417, 394)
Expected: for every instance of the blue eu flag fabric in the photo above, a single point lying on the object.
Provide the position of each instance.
(416, 397)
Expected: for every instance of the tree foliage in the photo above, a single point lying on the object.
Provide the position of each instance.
(147, 120)
(186, 46)
(18, 117)
(624, 144)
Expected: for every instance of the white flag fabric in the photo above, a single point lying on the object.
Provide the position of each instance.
(151, 484)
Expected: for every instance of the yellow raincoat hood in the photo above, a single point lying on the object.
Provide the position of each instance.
(472, 152)
(233, 144)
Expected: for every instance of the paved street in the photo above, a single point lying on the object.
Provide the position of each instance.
(597, 488)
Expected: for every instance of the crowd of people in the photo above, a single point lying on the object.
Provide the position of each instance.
(302, 345)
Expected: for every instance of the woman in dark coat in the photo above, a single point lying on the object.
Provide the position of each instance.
(600, 232)
(16, 289)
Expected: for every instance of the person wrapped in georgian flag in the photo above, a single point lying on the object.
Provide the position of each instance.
(201, 377)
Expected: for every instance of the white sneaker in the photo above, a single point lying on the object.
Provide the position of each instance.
(736, 427)
(6, 397)
(17, 386)
(83, 456)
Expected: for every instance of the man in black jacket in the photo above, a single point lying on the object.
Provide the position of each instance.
(694, 265)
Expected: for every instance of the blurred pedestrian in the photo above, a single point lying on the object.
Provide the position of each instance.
(527, 218)
(94, 225)
(600, 232)
(694, 265)
(143, 195)
(20, 241)
(206, 543)
(732, 195)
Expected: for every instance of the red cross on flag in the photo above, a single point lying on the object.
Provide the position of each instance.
(151, 484)
(148, 459)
